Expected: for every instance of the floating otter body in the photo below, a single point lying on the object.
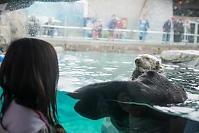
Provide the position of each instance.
(98, 100)
(114, 99)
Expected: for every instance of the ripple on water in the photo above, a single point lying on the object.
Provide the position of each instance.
(90, 67)
(195, 70)
(110, 69)
(66, 85)
(89, 60)
(182, 111)
(169, 68)
(126, 62)
(192, 97)
(197, 87)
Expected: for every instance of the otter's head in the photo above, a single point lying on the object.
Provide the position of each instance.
(146, 62)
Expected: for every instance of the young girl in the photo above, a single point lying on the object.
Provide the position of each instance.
(28, 76)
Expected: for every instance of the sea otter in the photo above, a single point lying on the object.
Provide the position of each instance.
(116, 99)
(99, 100)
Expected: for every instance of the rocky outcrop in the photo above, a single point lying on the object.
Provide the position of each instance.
(13, 26)
(186, 58)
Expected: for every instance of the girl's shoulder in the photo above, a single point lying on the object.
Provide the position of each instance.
(20, 119)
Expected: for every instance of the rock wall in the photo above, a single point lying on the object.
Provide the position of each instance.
(13, 26)
(17, 22)
(185, 58)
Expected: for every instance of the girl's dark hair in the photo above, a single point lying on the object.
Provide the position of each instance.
(29, 74)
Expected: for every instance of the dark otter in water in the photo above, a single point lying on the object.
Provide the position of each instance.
(115, 99)
(99, 100)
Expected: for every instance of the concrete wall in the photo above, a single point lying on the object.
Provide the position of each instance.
(155, 10)
(104, 9)
(158, 11)
(121, 47)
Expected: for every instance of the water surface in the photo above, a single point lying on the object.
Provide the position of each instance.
(78, 69)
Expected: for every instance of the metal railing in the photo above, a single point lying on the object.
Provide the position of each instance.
(65, 32)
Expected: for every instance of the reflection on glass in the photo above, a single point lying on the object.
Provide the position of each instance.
(164, 22)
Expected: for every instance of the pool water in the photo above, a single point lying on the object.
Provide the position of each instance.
(82, 68)
(78, 69)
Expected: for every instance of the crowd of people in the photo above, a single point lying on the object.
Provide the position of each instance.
(33, 26)
(35, 29)
(117, 23)
(116, 28)
(179, 29)
(94, 28)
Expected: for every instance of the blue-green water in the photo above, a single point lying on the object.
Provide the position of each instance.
(82, 68)
(72, 121)
(78, 69)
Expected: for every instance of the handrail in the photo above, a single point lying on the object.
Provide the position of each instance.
(154, 36)
(122, 30)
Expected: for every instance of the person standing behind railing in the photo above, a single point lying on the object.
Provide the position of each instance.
(187, 28)
(49, 30)
(143, 27)
(181, 30)
(89, 30)
(97, 29)
(99, 22)
(33, 26)
(175, 29)
(178, 29)
(166, 30)
(112, 25)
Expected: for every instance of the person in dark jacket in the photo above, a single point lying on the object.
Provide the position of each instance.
(181, 30)
(178, 30)
(166, 30)
(175, 29)
(112, 25)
